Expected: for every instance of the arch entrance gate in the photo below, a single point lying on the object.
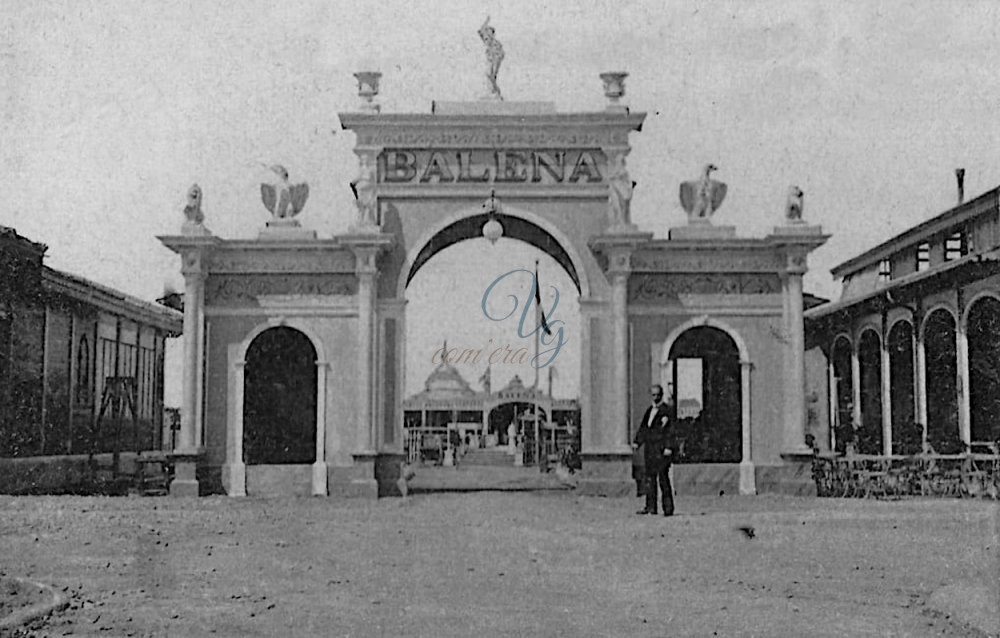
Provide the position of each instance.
(423, 180)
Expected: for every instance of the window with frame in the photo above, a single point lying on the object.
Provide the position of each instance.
(83, 393)
(923, 257)
(955, 246)
(885, 270)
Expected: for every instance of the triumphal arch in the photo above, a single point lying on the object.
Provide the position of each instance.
(294, 344)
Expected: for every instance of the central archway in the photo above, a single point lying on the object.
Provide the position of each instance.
(517, 223)
(458, 291)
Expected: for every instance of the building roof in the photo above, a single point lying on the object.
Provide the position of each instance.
(988, 201)
(10, 234)
(949, 268)
(446, 380)
(111, 300)
(445, 388)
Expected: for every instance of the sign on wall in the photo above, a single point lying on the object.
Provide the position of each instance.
(543, 167)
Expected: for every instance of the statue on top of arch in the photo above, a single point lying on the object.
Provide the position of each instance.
(364, 188)
(703, 197)
(283, 199)
(494, 57)
(194, 218)
(620, 187)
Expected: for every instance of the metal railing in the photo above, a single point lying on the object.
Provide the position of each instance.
(948, 475)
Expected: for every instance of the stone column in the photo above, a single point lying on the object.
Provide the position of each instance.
(366, 272)
(188, 450)
(920, 376)
(588, 411)
(237, 470)
(794, 439)
(962, 363)
(855, 386)
(748, 479)
(886, 395)
(319, 487)
(794, 241)
(833, 399)
(620, 415)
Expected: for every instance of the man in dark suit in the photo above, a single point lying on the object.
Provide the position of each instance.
(655, 435)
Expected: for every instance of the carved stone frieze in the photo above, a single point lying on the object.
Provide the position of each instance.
(478, 138)
(244, 290)
(659, 288)
(282, 261)
(707, 262)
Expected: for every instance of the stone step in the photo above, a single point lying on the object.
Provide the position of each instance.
(493, 457)
(465, 478)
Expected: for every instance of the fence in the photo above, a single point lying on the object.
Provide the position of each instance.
(948, 475)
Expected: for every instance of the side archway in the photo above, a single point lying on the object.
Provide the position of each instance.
(706, 378)
(260, 392)
(748, 482)
(279, 405)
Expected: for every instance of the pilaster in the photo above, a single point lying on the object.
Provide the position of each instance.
(195, 249)
(366, 248)
(796, 241)
(607, 469)
(618, 249)
(748, 475)
(319, 474)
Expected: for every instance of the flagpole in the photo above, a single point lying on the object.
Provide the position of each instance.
(538, 327)
(552, 429)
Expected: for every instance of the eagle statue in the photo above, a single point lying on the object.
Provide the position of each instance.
(282, 199)
(703, 197)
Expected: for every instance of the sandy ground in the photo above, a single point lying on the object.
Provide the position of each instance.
(501, 564)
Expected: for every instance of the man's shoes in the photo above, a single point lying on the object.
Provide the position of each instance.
(641, 512)
(668, 513)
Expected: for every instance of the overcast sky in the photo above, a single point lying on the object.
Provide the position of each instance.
(112, 109)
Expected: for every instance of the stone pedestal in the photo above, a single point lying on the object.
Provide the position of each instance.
(388, 472)
(185, 481)
(362, 482)
(234, 478)
(489, 107)
(606, 474)
(285, 230)
(702, 232)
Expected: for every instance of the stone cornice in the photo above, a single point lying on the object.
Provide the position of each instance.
(257, 257)
(182, 243)
(388, 191)
(488, 131)
(743, 257)
(556, 119)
